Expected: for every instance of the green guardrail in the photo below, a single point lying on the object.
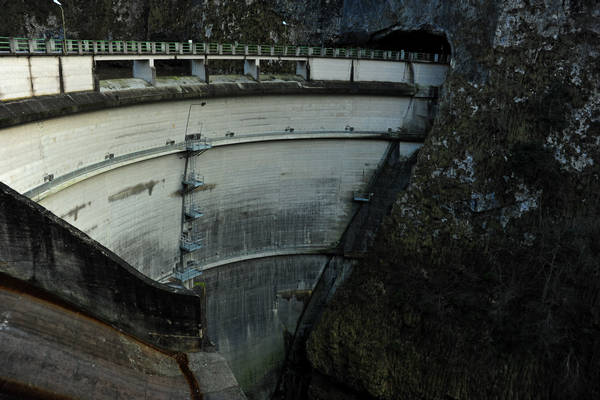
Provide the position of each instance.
(171, 47)
(290, 50)
(265, 49)
(303, 51)
(213, 48)
(227, 48)
(186, 47)
(9, 45)
(21, 45)
(4, 44)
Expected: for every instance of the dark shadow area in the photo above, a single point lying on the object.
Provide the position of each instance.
(277, 67)
(226, 67)
(415, 41)
(173, 67)
(114, 70)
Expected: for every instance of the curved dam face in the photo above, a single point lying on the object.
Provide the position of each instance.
(279, 184)
(266, 191)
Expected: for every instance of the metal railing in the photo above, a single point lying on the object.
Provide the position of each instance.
(14, 45)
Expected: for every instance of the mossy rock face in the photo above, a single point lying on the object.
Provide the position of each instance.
(484, 280)
(174, 20)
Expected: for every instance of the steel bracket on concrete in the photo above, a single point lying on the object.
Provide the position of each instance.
(193, 181)
(189, 246)
(362, 197)
(193, 214)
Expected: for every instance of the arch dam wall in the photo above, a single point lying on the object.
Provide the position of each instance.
(284, 165)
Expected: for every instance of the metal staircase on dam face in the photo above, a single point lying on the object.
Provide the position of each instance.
(190, 242)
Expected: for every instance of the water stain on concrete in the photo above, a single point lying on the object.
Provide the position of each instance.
(206, 186)
(74, 212)
(133, 190)
(93, 228)
(297, 294)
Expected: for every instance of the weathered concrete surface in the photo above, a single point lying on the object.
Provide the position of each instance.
(59, 146)
(272, 196)
(134, 210)
(112, 205)
(34, 109)
(252, 307)
(52, 256)
(59, 351)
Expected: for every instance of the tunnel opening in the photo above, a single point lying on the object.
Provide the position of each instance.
(415, 41)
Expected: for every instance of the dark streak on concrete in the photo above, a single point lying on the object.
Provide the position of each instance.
(184, 366)
(74, 212)
(133, 190)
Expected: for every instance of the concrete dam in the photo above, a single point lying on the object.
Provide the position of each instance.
(238, 189)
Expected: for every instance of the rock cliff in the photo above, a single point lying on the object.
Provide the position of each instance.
(483, 282)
